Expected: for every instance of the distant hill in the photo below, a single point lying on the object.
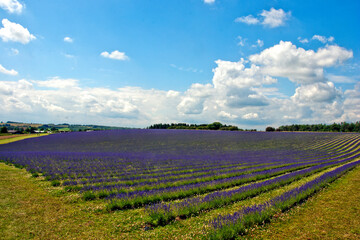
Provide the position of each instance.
(10, 125)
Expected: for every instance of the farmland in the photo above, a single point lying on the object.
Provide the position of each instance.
(190, 184)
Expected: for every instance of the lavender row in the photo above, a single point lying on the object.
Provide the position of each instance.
(231, 225)
(135, 199)
(162, 213)
(210, 178)
(215, 180)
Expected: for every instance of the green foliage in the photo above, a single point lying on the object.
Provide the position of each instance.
(35, 174)
(270, 129)
(89, 195)
(335, 127)
(211, 126)
(55, 183)
(3, 130)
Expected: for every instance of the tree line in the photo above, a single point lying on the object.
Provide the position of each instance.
(335, 127)
(211, 126)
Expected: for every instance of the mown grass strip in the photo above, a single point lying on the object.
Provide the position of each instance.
(162, 213)
(21, 137)
(333, 213)
(144, 198)
(230, 226)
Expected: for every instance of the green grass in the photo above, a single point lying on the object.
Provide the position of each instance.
(32, 209)
(333, 213)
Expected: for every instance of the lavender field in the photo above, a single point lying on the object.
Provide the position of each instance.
(182, 174)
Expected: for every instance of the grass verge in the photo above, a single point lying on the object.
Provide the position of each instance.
(14, 138)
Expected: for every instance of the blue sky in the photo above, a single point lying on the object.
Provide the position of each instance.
(135, 63)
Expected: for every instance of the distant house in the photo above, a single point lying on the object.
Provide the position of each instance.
(14, 131)
(39, 131)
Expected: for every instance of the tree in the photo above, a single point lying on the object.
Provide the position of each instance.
(215, 126)
(270, 129)
(4, 130)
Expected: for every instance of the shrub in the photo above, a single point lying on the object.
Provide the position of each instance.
(88, 196)
(55, 183)
(35, 174)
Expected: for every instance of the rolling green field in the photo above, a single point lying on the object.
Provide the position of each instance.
(31, 208)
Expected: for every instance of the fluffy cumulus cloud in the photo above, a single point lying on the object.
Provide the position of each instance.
(115, 55)
(297, 64)
(194, 99)
(317, 92)
(243, 93)
(250, 116)
(226, 115)
(12, 6)
(63, 99)
(272, 18)
(14, 32)
(8, 72)
(235, 84)
(352, 103)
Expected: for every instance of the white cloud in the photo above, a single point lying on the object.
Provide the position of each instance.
(351, 104)
(340, 79)
(194, 99)
(225, 115)
(236, 75)
(15, 32)
(259, 43)
(298, 64)
(241, 93)
(14, 51)
(331, 39)
(236, 84)
(68, 39)
(186, 69)
(303, 40)
(241, 41)
(63, 98)
(317, 92)
(250, 20)
(172, 94)
(68, 55)
(12, 6)
(323, 39)
(209, 1)
(115, 55)
(272, 18)
(8, 72)
(250, 116)
(57, 82)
